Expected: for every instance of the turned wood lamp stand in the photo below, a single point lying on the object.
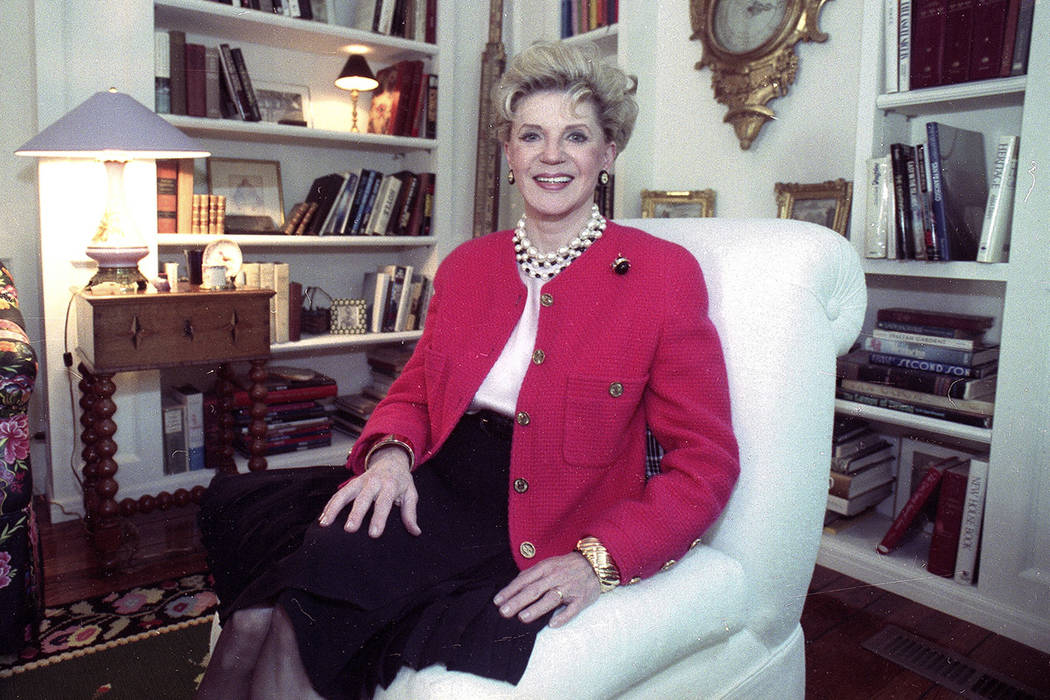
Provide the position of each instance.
(145, 331)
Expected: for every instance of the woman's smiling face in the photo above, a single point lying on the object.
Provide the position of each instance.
(556, 153)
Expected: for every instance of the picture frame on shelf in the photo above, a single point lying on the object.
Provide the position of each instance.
(349, 317)
(283, 103)
(678, 204)
(254, 198)
(826, 203)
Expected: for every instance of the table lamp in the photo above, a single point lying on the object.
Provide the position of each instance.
(356, 76)
(113, 128)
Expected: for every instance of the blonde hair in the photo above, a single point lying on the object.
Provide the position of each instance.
(576, 70)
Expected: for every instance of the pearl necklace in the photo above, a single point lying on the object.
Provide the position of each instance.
(546, 266)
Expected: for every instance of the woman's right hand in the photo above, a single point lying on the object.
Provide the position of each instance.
(387, 482)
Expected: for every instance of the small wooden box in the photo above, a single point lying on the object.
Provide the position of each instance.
(124, 332)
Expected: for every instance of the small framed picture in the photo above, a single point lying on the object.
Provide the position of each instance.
(349, 317)
(825, 203)
(282, 103)
(254, 200)
(678, 204)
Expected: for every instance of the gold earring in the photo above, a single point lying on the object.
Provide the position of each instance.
(510, 176)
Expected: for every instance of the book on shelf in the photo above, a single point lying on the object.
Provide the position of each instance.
(959, 189)
(922, 351)
(977, 420)
(177, 70)
(994, 244)
(196, 81)
(161, 72)
(282, 389)
(956, 342)
(908, 515)
(905, 200)
(184, 196)
(973, 406)
(947, 524)
(966, 558)
(323, 191)
(173, 420)
(193, 400)
(212, 83)
(281, 281)
(863, 458)
(851, 485)
(858, 365)
(167, 195)
(853, 445)
(879, 222)
(945, 42)
(949, 319)
(582, 16)
(860, 502)
(250, 101)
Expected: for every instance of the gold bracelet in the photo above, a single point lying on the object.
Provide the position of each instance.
(598, 557)
(392, 440)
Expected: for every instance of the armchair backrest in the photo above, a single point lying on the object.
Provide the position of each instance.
(787, 297)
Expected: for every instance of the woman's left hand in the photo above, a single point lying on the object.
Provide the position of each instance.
(567, 581)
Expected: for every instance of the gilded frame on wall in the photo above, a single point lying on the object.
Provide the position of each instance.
(825, 203)
(677, 204)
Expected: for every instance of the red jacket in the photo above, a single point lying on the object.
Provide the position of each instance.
(621, 351)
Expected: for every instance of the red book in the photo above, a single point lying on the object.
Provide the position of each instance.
(926, 488)
(1006, 62)
(927, 42)
(196, 81)
(167, 195)
(989, 28)
(958, 32)
(944, 545)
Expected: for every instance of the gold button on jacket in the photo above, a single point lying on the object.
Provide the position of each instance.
(538, 356)
(616, 390)
(521, 485)
(546, 299)
(527, 549)
(522, 418)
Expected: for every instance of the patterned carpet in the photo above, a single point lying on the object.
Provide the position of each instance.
(106, 622)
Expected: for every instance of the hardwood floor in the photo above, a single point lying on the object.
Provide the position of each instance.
(839, 614)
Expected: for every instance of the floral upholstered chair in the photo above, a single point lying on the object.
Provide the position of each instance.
(20, 573)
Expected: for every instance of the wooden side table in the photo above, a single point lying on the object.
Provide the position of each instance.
(156, 330)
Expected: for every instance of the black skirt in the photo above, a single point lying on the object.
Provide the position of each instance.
(363, 608)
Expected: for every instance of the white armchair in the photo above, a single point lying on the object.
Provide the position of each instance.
(787, 297)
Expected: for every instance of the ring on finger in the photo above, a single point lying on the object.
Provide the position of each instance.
(561, 596)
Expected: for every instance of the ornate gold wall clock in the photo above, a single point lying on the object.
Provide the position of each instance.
(750, 47)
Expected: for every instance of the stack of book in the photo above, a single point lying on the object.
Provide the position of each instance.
(940, 42)
(928, 363)
(863, 467)
(296, 418)
(350, 412)
(932, 201)
(405, 103)
(365, 203)
(953, 489)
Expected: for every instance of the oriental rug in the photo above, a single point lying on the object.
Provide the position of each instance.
(111, 645)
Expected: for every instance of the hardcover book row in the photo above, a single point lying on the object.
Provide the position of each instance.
(582, 16)
(942, 42)
(932, 201)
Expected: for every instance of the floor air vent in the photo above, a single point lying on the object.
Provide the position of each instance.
(946, 668)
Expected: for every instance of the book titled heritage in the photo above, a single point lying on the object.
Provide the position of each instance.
(973, 515)
(951, 501)
(923, 492)
(998, 213)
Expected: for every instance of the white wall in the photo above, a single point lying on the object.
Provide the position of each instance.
(19, 238)
(812, 139)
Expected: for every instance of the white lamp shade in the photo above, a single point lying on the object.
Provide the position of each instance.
(111, 126)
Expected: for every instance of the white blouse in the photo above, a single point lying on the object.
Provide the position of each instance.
(499, 391)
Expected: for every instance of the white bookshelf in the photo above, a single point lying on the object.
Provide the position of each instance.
(1012, 591)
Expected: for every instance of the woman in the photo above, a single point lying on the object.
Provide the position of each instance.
(512, 445)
